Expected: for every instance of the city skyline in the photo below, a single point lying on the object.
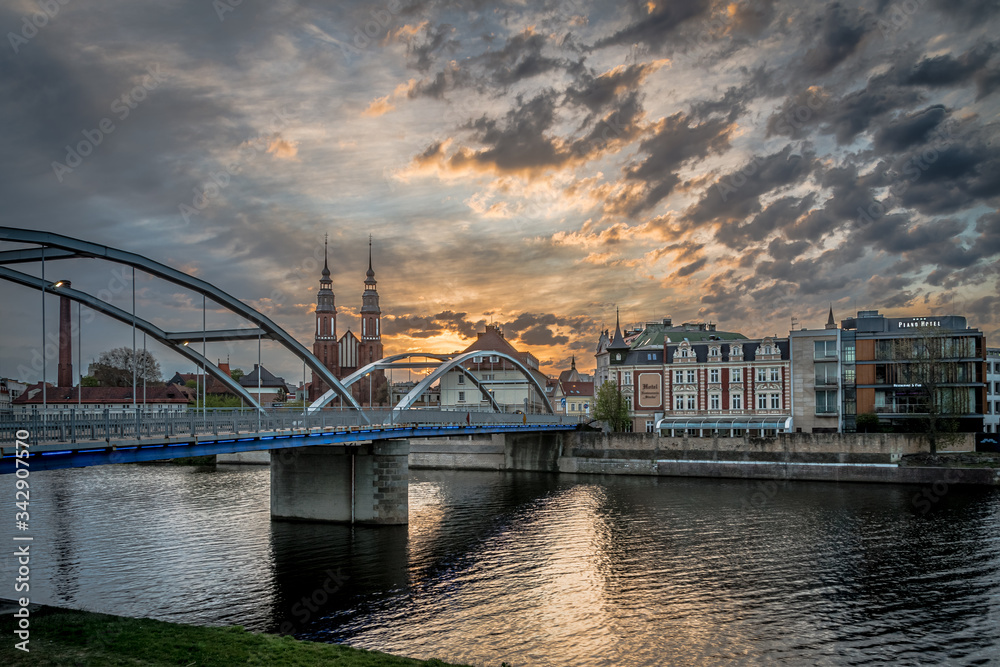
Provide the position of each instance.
(741, 163)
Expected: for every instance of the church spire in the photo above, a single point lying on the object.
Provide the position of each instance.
(830, 322)
(326, 263)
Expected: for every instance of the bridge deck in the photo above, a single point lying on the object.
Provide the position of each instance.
(54, 456)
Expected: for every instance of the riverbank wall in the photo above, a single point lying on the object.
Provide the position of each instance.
(835, 457)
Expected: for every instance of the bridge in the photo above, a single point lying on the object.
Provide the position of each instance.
(329, 465)
(318, 454)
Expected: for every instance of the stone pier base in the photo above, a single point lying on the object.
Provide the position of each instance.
(314, 483)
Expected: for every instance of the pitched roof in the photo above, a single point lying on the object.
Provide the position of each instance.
(168, 394)
(578, 388)
(267, 379)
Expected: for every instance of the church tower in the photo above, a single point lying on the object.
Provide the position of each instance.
(371, 329)
(325, 345)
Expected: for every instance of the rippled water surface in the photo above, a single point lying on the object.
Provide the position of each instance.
(541, 569)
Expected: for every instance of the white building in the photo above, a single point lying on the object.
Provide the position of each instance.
(508, 385)
(991, 421)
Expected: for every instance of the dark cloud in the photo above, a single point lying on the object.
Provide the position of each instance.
(910, 129)
(655, 24)
(736, 195)
(674, 143)
(833, 36)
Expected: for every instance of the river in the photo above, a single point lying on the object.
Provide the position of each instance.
(539, 569)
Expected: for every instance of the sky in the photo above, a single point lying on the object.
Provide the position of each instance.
(537, 165)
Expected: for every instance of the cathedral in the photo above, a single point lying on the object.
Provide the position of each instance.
(348, 353)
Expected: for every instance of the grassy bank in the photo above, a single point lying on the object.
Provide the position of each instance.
(67, 638)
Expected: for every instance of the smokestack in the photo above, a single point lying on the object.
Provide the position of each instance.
(65, 341)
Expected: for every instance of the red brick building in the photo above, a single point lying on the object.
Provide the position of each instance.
(348, 353)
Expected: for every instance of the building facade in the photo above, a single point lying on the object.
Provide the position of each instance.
(816, 373)
(991, 420)
(691, 379)
(510, 388)
(346, 354)
(909, 371)
(91, 400)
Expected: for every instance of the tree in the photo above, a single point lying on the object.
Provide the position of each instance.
(867, 422)
(929, 370)
(89, 381)
(611, 407)
(114, 367)
(236, 374)
(282, 394)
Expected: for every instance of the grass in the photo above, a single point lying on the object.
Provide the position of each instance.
(69, 638)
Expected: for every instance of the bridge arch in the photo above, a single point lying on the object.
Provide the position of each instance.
(457, 361)
(56, 246)
(390, 363)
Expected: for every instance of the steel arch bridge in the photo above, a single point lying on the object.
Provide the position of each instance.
(56, 246)
(442, 364)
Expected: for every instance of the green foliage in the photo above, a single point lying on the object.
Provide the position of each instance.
(611, 408)
(63, 637)
(868, 422)
(219, 401)
(114, 367)
(236, 374)
(90, 381)
(191, 384)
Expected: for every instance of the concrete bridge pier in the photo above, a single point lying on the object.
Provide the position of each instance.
(365, 483)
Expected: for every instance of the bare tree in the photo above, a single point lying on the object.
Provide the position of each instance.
(927, 364)
(114, 367)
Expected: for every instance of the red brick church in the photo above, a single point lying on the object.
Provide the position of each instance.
(348, 353)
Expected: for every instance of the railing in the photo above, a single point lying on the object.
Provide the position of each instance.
(126, 425)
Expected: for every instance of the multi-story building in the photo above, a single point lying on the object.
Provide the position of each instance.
(907, 370)
(89, 400)
(509, 387)
(991, 421)
(816, 373)
(691, 379)
(431, 398)
(572, 392)
(9, 390)
(348, 353)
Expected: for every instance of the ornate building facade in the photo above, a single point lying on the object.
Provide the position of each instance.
(348, 353)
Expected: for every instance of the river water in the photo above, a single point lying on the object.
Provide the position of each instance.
(541, 569)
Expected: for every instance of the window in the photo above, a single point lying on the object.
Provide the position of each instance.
(628, 402)
(736, 402)
(713, 351)
(713, 375)
(477, 360)
(736, 375)
(849, 353)
(825, 349)
(678, 377)
(715, 402)
(628, 378)
(678, 402)
(766, 349)
(826, 374)
(690, 377)
(996, 387)
(775, 374)
(691, 402)
(649, 427)
(736, 351)
(461, 379)
(826, 402)
(461, 397)
(494, 359)
(651, 356)
(762, 401)
(775, 401)
(761, 375)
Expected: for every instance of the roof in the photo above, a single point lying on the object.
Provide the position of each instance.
(267, 379)
(578, 388)
(658, 334)
(492, 340)
(168, 394)
(654, 355)
(215, 385)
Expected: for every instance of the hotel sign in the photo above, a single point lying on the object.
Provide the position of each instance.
(909, 324)
(650, 390)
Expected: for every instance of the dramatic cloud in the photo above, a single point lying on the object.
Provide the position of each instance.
(533, 165)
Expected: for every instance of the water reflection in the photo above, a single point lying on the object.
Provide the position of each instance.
(539, 569)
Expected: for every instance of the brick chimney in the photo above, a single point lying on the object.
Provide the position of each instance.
(65, 377)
